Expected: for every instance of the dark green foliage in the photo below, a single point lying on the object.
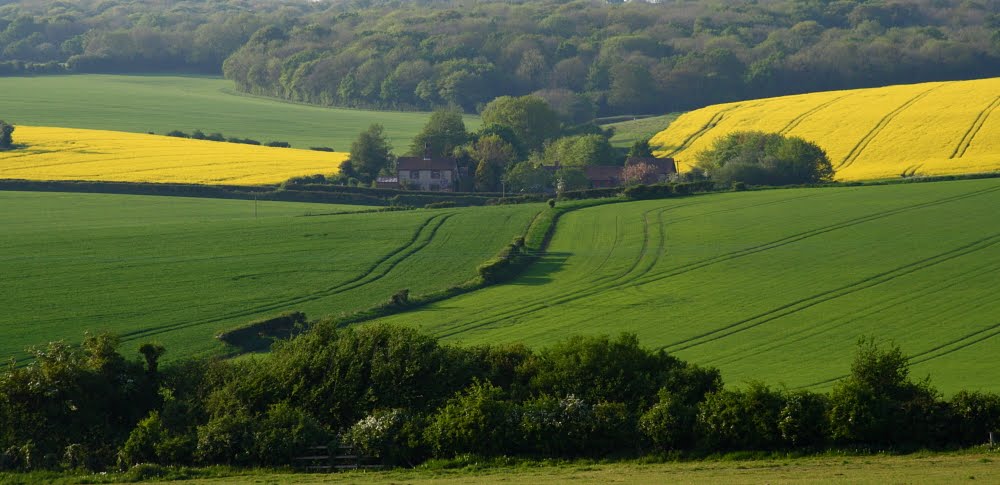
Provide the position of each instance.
(744, 419)
(640, 149)
(528, 177)
(530, 117)
(802, 420)
(6, 135)
(444, 204)
(370, 153)
(759, 158)
(507, 264)
(444, 132)
(278, 144)
(669, 424)
(178, 134)
(581, 150)
(477, 420)
(552, 203)
(878, 403)
(976, 414)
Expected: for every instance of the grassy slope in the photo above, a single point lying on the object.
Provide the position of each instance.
(163, 103)
(776, 285)
(628, 132)
(178, 270)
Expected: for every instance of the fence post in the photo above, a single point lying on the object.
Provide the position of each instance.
(992, 439)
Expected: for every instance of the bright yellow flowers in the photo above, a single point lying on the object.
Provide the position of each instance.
(75, 154)
(920, 129)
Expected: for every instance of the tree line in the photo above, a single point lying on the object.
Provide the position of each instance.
(586, 58)
(403, 397)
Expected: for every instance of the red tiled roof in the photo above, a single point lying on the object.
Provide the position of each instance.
(420, 163)
(603, 172)
(663, 165)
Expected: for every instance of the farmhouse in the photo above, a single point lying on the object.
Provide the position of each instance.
(427, 173)
(665, 167)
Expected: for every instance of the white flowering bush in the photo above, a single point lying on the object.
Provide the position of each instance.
(376, 435)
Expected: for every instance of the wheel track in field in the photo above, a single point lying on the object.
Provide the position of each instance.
(570, 296)
(795, 122)
(678, 270)
(567, 297)
(871, 135)
(712, 123)
(825, 296)
(965, 341)
(549, 302)
(830, 325)
(422, 237)
(970, 134)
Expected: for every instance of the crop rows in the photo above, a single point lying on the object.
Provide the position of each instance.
(907, 130)
(742, 282)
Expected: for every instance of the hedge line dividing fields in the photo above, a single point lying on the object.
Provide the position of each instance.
(775, 285)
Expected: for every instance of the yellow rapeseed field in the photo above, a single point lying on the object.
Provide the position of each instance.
(75, 154)
(939, 128)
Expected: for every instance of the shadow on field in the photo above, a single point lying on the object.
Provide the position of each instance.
(540, 271)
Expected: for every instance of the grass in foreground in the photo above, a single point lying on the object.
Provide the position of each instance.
(939, 128)
(178, 270)
(75, 154)
(927, 468)
(773, 285)
(160, 104)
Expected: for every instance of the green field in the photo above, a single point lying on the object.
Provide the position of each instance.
(773, 285)
(163, 103)
(628, 132)
(178, 270)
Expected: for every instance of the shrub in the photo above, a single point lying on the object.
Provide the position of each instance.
(741, 420)
(75, 457)
(669, 423)
(278, 144)
(6, 135)
(552, 203)
(178, 134)
(321, 149)
(284, 432)
(802, 420)
(477, 420)
(760, 158)
(392, 435)
(440, 205)
(976, 414)
(142, 441)
(226, 439)
(216, 137)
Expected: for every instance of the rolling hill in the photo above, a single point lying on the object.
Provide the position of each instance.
(75, 154)
(178, 270)
(141, 104)
(773, 285)
(938, 128)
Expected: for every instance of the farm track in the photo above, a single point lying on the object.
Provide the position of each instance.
(614, 284)
(423, 236)
(712, 123)
(867, 139)
(963, 144)
(802, 117)
(825, 296)
(830, 325)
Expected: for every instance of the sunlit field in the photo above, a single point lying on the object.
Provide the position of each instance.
(940, 128)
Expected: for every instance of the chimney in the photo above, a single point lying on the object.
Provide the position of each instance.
(427, 151)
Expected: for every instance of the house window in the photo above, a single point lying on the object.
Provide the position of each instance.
(435, 174)
(414, 174)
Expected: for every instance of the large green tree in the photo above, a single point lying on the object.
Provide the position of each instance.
(370, 153)
(6, 135)
(442, 133)
(581, 150)
(755, 157)
(530, 117)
